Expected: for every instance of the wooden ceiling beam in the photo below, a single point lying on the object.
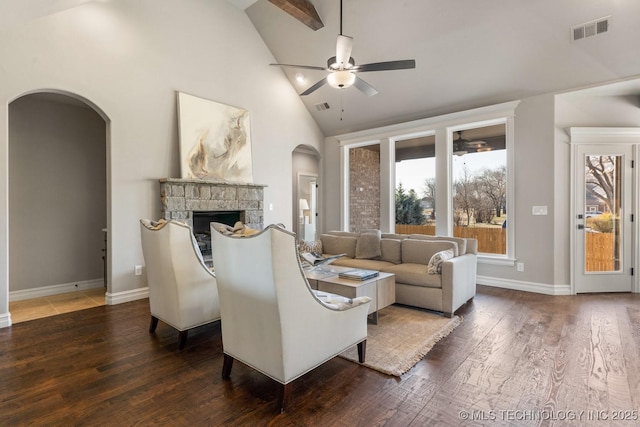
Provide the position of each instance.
(302, 10)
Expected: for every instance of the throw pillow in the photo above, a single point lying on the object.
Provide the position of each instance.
(368, 245)
(156, 225)
(310, 246)
(335, 245)
(435, 263)
(222, 228)
(391, 250)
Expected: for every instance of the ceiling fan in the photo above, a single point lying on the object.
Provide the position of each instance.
(462, 145)
(342, 68)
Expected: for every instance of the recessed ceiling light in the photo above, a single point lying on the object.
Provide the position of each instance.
(300, 78)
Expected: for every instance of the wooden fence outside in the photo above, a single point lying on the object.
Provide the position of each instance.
(490, 240)
(600, 249)
(599, 246)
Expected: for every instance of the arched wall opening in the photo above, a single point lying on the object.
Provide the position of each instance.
(58, 195)
(306, 195)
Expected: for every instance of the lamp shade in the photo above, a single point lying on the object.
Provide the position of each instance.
(304, 204)
(341, 79)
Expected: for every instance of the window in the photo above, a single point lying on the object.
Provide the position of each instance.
(455, 170)
(479, 190)
(415, 185)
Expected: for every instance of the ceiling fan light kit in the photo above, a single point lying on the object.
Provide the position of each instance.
(341, 79)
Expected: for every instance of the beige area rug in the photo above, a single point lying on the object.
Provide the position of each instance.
(401, 338)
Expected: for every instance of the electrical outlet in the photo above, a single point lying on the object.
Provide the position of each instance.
(138, 270)
(520, 266)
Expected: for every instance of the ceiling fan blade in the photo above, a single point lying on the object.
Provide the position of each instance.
(306, 67)
(314, 87)
(364, 87)
(343, 50)
(389, 65)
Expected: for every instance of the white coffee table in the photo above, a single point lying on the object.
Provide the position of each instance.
(381, 289)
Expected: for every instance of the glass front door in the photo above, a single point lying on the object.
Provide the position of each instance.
(603, 218)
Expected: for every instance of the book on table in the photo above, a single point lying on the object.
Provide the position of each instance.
(316, 259)
(358, 274)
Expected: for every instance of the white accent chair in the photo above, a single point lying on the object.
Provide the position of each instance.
(271, 319)
(182, 290)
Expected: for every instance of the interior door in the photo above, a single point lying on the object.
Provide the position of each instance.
(603, 218)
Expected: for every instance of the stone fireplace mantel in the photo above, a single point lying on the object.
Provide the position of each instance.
(179, 198)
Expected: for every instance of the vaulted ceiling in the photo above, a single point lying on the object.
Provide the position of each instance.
(468, 53)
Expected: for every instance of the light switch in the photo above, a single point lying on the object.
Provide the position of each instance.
(538, 210)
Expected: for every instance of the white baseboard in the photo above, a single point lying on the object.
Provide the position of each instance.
(46, 291)
(113, 298)
(5, 320)
(519, 285)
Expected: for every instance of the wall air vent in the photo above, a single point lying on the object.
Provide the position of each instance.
(322, 106)
(591, 28)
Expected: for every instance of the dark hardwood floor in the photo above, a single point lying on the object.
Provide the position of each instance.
(517, 359)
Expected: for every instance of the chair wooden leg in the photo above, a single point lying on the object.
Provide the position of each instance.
(362, 351)
(153, 325)
(182, 339)
(226, 366)
(285, 391)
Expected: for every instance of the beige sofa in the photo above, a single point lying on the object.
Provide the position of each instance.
(408, 257)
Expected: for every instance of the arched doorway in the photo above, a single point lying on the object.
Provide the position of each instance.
(57, 203)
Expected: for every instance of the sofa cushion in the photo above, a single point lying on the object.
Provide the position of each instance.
(368, 245)
(435, 263)
(461, 243)
(420, 251)
(395, 236)
(335, 245)
(391, 250)
(414, 274)
(366, 264)
(343, 233)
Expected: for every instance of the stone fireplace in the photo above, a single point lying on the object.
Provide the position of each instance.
(218, 201)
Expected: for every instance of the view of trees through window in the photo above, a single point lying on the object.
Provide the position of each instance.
(602, 212)
(479, 180)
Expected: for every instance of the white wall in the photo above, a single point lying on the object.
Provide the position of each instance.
(129, 58)
(57, 200)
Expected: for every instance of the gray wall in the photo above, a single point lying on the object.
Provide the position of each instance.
(57, 193)
(534, 186)
(580, 109)
(541, 178)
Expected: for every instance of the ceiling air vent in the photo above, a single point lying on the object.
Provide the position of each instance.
(591, 28)
(322, 106)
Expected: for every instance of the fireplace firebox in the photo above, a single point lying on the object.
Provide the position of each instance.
(202, 228)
